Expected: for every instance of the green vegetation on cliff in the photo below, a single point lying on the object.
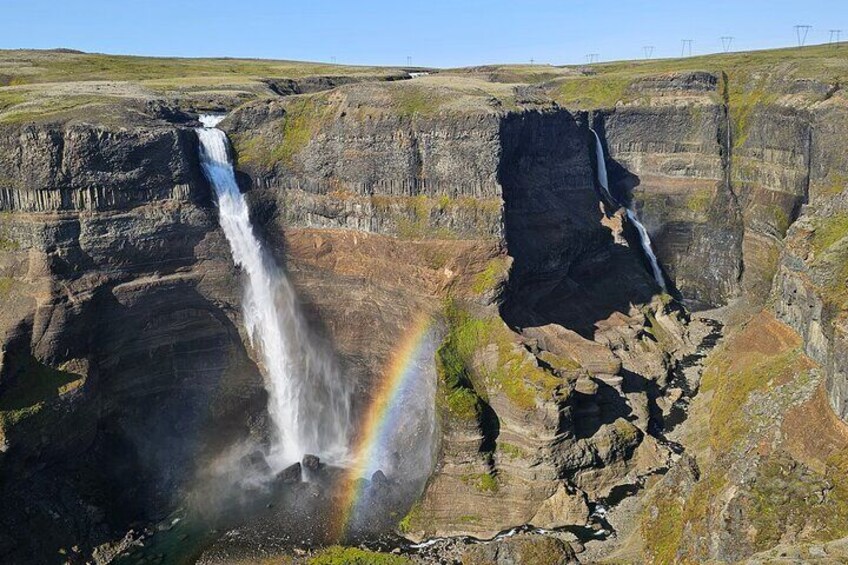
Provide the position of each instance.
(481, 355)
(754, 78)
(829, 244)
(774, 456)
(282, 139)
(830, 230)
(339, 555)
(455, 365)
(34, 385)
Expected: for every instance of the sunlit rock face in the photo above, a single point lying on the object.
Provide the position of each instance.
(523, 221)
(556, 358)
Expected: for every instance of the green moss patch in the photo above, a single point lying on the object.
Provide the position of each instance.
(455, 365)
(284, 139)
(6, 286)
(510, 370)
(745, 95)
(410, 100)
(53, 108)
(829, 230)
(490, 277)
(483, 482)
(592, 92)
(32, 387)
(830, 246)
(339, 555)
(655, 330)
(510, 450)
(409, 523)
(698, 201)
(732, 389)
(11, 98)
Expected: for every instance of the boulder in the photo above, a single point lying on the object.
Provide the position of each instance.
(311, 463)
(254, 462)
(290, 474)
(563, 508)
(522, 549)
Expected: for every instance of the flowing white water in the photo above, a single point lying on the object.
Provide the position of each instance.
(644, 238)
(602, 168)
(646, 246)
(308, 400)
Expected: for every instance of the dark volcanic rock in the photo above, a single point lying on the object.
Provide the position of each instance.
(290, 474)
(311, 463)
(255, 462)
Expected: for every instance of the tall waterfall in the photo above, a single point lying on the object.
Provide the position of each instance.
(644, 238)
(309, 402)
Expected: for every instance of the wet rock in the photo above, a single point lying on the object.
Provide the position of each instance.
(290, 474)
(255, 462)
(311, 463)
(379, 479)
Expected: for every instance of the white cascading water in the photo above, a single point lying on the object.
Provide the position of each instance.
(309, 403)
(644, 238)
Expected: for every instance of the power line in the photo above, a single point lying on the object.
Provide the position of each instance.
(592, 58)
(726, 42)
(648, 50)
(801, 31)
(835, 33)
(408, 60)
(687, 47)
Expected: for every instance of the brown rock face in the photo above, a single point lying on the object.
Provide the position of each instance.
(521, 549)
(558, 352)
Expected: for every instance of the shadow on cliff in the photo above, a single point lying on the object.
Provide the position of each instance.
(168, 382)
(567, 268)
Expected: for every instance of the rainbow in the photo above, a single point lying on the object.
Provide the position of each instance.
(383, 415)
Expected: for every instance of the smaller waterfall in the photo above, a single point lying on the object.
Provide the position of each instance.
(644, 238)
(602, 168)
(308, 400)
(646, 246)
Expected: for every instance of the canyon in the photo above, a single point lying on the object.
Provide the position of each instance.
(573, 393)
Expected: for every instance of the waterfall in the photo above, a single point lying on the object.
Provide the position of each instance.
(644, 238)
(646, 247)
(308, 400)
(602, 168)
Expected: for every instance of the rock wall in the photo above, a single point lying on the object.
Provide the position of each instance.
(809, 289)
(378, 216)
(120, 348)
(672, 161)
(117, 283)
(82, 167)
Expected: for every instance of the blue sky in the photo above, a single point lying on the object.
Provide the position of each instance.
(436, 32)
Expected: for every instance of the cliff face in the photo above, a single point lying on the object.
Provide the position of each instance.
(120, 343)
(560, 364)
(719, 172)
(670, 157)
(83, 167)
(443, 213)
(809, 288)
